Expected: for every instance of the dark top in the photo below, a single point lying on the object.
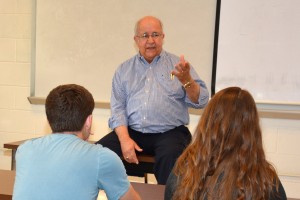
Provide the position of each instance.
(171, 186)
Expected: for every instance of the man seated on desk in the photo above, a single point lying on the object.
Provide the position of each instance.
(151, 94)
(62, 165)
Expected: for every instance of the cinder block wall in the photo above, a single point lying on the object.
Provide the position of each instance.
(20, 120)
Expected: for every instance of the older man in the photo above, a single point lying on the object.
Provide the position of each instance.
(151, 93)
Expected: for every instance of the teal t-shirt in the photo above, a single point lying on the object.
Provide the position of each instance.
(62, 167)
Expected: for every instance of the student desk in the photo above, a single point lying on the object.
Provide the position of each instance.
(146, 191)
(7, 180)
(13, 146)
(145, 166)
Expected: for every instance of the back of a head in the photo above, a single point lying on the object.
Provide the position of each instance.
(226, 150)
(67, 107)
(231, 120)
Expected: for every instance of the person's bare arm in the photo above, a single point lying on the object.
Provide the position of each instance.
(128, 145)
(131, 194)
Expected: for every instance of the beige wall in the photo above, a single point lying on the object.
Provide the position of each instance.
(16, 118)
(20, 120)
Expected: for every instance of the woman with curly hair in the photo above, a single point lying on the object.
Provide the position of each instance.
(225, 159)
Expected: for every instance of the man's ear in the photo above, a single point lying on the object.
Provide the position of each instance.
(89, 121)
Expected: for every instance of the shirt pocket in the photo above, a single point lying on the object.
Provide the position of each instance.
(170, 86)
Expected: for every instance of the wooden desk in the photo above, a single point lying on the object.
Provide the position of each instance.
(13, 146)
(146, 191)
(7, 180)
(149, 191)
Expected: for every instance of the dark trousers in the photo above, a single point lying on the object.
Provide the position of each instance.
(165, 147)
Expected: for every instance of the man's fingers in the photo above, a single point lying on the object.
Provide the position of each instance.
(135, 160)
(131, 158)
(139, 149)
(182, 59)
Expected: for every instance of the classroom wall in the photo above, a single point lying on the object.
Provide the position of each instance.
(20, 120)
(92, 27)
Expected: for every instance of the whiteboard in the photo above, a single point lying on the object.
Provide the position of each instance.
(83, 42)
(258, 49)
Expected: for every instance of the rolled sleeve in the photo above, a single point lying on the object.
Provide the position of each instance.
(118, 104)
(203, 97)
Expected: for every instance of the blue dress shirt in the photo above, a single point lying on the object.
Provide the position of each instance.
(145, 98)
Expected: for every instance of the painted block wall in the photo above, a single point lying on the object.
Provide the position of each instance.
(20, 120)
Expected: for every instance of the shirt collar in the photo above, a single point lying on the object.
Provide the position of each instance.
(155, 60)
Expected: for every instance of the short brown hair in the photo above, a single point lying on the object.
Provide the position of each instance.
(67, 107)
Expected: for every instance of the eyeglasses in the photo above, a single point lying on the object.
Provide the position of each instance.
(146, 36)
